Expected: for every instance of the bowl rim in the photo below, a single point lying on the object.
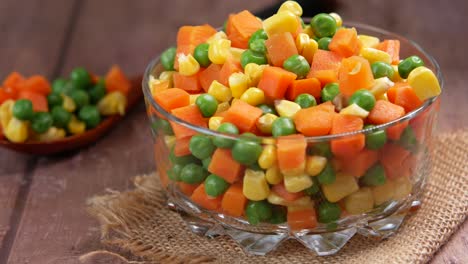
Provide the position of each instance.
(155, 61)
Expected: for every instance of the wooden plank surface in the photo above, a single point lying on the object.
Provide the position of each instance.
(32, 37)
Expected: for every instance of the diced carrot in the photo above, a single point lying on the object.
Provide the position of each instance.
(392, 158)
(280, 47)
(191, 84)
(200, 197)
(315, 121)
(234, 201)
(117, 81)
(190, 114)
(291, 152)
(182, 146)
(208, 75)
(302, 219)
(4, 96)
(39, 101)
(13, 80)
(186, 188)
(243, 115)
(280, 190)
(360, 163)
(326, 76)
(384, 112)
(223, 165)
(188, 37)
(392, 47)
(36, 83)
(325, 65)
(351, 145)
(355, 73)
(172, 98)
(229, 67)
(275, 81)
(345, 42)
(240, 28)
(309, 86)
(394, 132)
(403, 95)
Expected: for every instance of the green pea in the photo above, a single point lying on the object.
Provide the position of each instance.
(267, 109)
(329, 91)
(250, 56)
(80, 97)
(206, 163)
(321, 149)
(164, 126)
(201, 54)
(226, 128)
(246, 151)
(58, 85)
(279, 215)
(258, 211)
(409, 64)
(255, 166)
(327, 175)
(193, 173)
(408, 139)
(312, 190)
(174, 172)
(54, 99)
(328, 212)
(374, 176)
(323, 43)
(250, 136)
(283, 126)
(23, 109)
(305, 100)
(60, 116)
(224, 26)
(90, 115)
(97, 92)
(182, 160)
(298, 65)
(207, 104)
(168, 58)
(201, 146)
(80, 78)
(382, 69)
(68, 88)
(41, 122)
(259, 34)
(363, 98)
(323, 25)
(375, 140)
(258, 45)
(215, 185)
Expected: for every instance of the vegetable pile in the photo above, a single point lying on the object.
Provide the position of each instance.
(274, 83)
(32, 109)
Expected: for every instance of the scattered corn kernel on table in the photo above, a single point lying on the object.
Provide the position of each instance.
(42, 199)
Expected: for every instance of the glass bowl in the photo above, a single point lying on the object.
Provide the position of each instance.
(405, 158)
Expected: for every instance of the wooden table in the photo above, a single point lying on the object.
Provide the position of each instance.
(42, 199)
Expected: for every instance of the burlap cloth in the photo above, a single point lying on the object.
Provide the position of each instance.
(137, 223)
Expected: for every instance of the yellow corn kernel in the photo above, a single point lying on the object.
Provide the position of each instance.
(308, 30)
(236, 53)
(374, 55)
(238, 82)
(338, 19)
(217, 36)
(222, 107)
(169, 141)
(424, 83)
(157, 86)
(368, 41)
(291, 6)
(193, 98)
(254, 72)
(265, 122)
(280, 23)
(354, 110)
(253, 96)
(188, 65)
(6, 112)
(53, 133)
(306, 46)
(297, 183)
(315, 164)
(304, 201)
(383, 193)
(298, 171)
(268, 157)
(343, 186)
(16, 130)
(219, 51)
(214, 122)
(255, 186)
(286, 108)
(273, 175)
(112, 104)
(220, 92)
(396, 75)
(167, 76)
(403, 188)
(76, 126)
(359, 202)
(68, 104)
(382, 97)
(380, 86)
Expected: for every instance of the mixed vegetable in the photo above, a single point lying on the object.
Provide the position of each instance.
(272, 84)
(32, 109)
